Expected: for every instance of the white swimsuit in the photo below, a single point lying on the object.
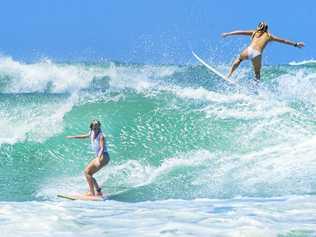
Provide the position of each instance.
(252, 53)
(95, 143)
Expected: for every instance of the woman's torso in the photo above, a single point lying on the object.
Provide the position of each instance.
(96, 142)
(260, 40)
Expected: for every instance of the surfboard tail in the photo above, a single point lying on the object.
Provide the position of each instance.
(212, 69)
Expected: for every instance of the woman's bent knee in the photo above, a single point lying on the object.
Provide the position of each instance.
(87, 172)
(237, 62)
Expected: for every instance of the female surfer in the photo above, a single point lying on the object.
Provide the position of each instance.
(102, 156)
(259, 40)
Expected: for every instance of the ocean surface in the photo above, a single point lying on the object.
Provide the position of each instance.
(190, 154)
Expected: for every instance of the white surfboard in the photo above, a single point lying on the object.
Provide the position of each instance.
(212, 69)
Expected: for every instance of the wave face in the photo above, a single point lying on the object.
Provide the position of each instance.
(174, 132)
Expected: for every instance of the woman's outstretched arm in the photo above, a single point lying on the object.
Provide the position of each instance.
(238, 32)
(285, 41)
(83, 136)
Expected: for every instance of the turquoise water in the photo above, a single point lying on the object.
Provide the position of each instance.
(190, 155)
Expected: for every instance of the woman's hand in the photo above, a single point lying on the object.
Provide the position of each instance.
(79, 136)
(299, 44)
(225, 35)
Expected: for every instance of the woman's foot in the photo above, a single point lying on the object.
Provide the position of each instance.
(99, 194)
(88, 194)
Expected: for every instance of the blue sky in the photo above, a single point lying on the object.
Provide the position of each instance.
(148, 31)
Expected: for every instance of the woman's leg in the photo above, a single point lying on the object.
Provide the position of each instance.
(91, 168)
(236, 63)
(94, 166)
(256, 62)
(96, 186)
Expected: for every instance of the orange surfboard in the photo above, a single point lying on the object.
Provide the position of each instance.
(82, 197)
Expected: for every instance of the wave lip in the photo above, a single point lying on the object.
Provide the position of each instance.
(43, 76)
(36, 121)
(304, 62)
(47, 76)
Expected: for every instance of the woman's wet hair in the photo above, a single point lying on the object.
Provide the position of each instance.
(262, 27)
(95, 122)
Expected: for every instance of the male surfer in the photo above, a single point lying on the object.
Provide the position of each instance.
(259, 39)
(102, 156)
